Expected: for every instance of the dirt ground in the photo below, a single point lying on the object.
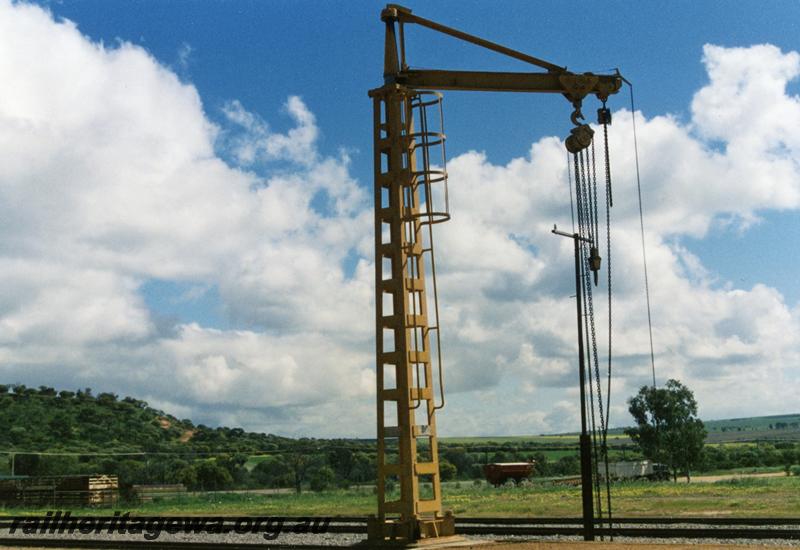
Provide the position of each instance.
(711, 479)
(589, 546)
(623, 546)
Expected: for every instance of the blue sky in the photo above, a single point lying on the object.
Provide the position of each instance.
(196, 263)
(262, 52)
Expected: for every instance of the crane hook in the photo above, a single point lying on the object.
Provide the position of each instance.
(581, 136)
(576, 114)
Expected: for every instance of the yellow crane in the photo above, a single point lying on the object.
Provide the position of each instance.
(408, 184)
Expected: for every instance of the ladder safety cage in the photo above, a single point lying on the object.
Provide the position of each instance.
(406, 194)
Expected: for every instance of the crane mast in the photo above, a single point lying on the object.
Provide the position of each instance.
(408, 185)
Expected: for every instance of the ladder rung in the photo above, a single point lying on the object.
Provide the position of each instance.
(390, 395)
(414, 284)
(390, 357)
(433, 505)
(389, 321)
(419, 357)
(391, 431)
(387, 250)
(389, 285)
(426, 468)
(387, 214)
(410, 214)
(420, 393)
(423, 430)
(412, 249)
(416, 320)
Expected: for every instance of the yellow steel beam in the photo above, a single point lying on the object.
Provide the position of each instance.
(394, 12)
(574, 86)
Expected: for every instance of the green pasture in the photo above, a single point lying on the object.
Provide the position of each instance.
(527, 440)
(779, 496)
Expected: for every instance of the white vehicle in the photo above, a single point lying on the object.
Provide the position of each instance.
(641, 469)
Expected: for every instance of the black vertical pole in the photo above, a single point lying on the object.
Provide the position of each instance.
(586, 457)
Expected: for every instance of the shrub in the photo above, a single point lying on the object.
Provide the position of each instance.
(322, 478)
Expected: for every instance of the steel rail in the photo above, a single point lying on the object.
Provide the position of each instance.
(152, 545)
(636, 532)
(500, 531)
(641, 527)
(632, 521)
(7, 521)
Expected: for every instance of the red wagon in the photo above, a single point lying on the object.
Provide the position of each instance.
(500, 472)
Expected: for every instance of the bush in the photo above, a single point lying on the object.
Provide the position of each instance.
(447, 470)
(795, 470)
(321, 479)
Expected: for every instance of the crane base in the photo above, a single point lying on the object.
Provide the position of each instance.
(419, 532)
(452, 541)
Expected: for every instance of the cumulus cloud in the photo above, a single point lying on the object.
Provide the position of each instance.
(259, 143)
(723, 167)
(112, 176)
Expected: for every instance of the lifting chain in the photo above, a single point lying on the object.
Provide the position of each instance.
(580, 143)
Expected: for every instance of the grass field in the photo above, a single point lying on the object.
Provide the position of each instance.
(755, 423)
(778, 496)
(562, 439)
(757, 428)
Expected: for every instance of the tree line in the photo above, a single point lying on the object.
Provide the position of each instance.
(95, 429)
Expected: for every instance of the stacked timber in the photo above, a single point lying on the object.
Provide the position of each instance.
(60, 491)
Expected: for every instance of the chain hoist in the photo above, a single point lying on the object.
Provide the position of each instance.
(580, 144)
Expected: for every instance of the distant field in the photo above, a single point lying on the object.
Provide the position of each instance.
(756, 423)
(516, 439)
(561, 439)
(785, 427)
(778, 496)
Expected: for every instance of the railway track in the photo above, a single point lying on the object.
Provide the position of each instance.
(686, 528)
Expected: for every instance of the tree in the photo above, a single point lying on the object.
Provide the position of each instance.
(341, 461)
(568, 465)
(667, 428)
(447, 470)
(212, 476)
(321, 478)
(61, 426)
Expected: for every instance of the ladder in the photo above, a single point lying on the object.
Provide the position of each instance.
(407, 186)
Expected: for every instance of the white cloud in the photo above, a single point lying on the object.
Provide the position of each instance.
(109, 178)
(259, 143)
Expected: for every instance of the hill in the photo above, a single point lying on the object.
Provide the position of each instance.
(51, 433)
(43, 419)
(755, 423)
